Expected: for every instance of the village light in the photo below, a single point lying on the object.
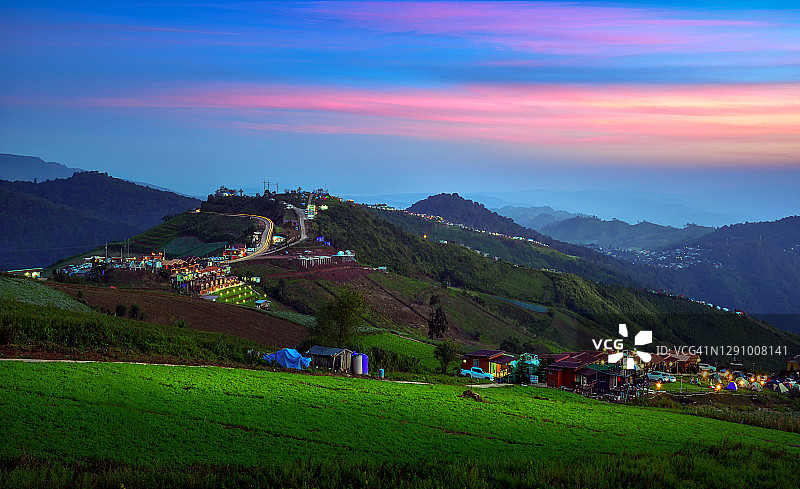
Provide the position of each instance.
(658, 385)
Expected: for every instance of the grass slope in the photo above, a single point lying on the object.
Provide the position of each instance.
(171, 420)
(33, 292)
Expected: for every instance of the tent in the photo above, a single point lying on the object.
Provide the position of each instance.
(782, 389)
(756, 386)
(288, 358)
(716, 379)
(732, 386)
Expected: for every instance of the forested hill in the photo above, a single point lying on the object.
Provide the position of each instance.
(578, 308)
(750, 266)
(783, 233)
(43, 222)
(459, 210)
(30, 168)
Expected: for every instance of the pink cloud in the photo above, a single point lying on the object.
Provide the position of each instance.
(607, 118)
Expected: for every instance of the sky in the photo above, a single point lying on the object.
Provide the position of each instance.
(690, 102)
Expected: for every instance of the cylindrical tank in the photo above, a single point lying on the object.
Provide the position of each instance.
(365, 364)
(356, 364)
(380, 373)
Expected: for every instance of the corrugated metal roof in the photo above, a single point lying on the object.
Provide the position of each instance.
(503, 359)
(326, 351)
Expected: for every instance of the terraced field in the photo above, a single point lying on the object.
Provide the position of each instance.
(167, 421)
(241, 295)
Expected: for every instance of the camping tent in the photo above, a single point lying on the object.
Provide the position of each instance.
(756, 386)
(288, 358)
(782, 389)
(732, 386)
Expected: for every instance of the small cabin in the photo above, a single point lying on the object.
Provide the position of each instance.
(336, 359)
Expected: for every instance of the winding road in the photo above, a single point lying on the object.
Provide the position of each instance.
(266, 237)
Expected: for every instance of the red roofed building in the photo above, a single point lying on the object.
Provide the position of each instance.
(561, 373)
(495, 362)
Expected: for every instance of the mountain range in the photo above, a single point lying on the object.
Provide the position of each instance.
(754, 267)
(51, 219)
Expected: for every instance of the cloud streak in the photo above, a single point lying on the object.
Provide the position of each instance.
(761, 116)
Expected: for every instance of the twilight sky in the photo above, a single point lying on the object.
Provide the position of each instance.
(698, 102)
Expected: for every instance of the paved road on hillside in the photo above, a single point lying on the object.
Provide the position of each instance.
(266, 237)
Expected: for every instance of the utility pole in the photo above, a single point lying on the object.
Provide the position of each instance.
(106, 250)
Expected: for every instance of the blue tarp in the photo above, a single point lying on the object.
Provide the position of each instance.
(288, 358)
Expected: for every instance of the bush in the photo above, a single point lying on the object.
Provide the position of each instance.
(120, 310)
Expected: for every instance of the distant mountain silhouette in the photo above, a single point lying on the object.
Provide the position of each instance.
(620, 234)
(535, 217)
(43, 222)
(28, 168)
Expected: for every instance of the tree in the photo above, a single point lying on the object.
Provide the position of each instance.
(447, 352)
(338, 320)
(120, 310)
(437, 321)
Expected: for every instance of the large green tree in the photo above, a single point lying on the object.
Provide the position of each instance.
(437, 321)
(447, 352)
(338, 320)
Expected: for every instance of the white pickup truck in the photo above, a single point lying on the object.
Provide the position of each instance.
(476, 373)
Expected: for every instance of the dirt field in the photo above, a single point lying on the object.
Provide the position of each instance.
(199, 314)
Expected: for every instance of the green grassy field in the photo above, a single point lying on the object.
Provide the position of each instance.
(405, 346)
(191, 246)
(158, 422)
(242, 295)
(34, 292)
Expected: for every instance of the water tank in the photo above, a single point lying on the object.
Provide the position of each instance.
(365, 364)
(356, 364)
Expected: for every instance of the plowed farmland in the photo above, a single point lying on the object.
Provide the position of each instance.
(198, 314)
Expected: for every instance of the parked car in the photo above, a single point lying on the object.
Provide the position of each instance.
(668, 377)
(658, 376)
(476, 373)
(704, 367)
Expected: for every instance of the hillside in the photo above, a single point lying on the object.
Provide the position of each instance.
(520, 252)
(750, 266)
(620, 234)
(28, 168)
(42, 222)
(581, 309)
(475, 215)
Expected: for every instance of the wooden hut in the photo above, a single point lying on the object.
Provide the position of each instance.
(336, 359)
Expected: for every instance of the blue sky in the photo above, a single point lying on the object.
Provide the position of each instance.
(693, 101)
